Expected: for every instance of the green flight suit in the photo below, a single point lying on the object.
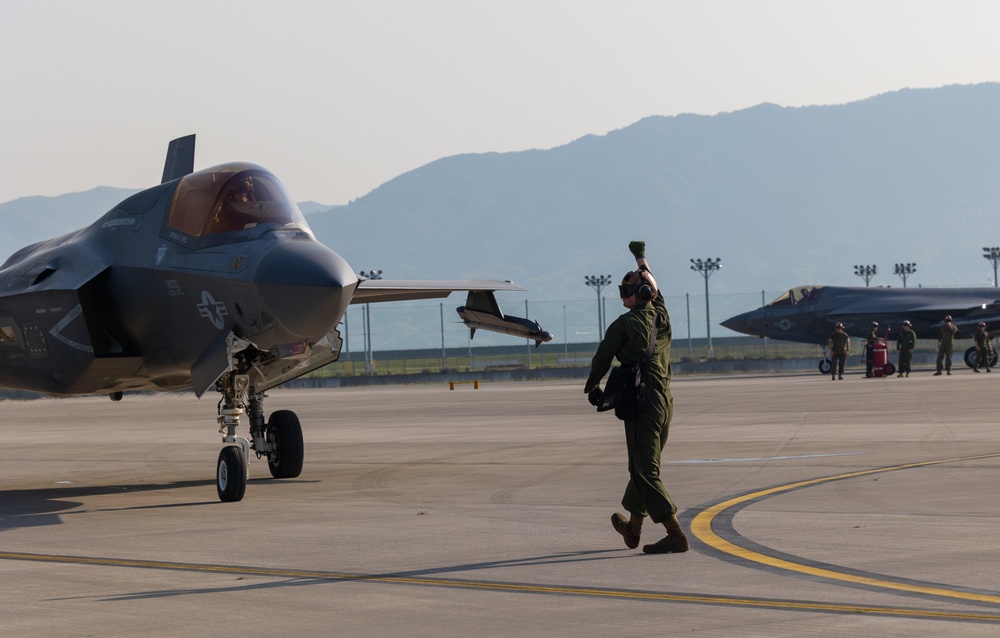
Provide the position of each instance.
(946, 346)
(905, 344)
(984, 350)
(627, 339)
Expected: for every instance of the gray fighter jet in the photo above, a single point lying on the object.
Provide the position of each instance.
(210, 280)
(807, 314)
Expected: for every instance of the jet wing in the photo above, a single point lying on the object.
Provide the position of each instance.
(376, 290)
(481, 310)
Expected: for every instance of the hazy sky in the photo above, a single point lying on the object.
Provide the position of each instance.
(339, 97)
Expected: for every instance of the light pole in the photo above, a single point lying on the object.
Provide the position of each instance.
(904, 271)
(993, 254)
(706, 268)
(598, 282)
(369, 364)
(867, 272)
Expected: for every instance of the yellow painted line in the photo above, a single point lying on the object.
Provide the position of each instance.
(701, 526)
(514, 587)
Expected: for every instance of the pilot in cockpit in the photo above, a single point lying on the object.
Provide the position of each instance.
(242, 192)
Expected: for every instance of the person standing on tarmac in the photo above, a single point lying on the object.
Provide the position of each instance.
(905, 344)
(984, 348)
(946, 345)
(627, 339)
(839, 344)
(870, 350)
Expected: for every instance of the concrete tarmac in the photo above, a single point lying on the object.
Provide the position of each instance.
(816, 507)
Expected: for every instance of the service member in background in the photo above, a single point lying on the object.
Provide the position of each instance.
(870, 350)
(905, 343)
(946, 345)
(627, 339)
(839, 344)
(984, 348)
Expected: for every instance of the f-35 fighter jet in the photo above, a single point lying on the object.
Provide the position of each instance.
(807, 314)
(210, 280)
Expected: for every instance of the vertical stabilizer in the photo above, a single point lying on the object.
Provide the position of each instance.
(180, 159)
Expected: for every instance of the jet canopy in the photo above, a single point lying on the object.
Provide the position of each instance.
(229, 198)
(796, 296)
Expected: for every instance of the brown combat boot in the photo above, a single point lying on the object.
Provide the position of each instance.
(675, 541)
(630, 530)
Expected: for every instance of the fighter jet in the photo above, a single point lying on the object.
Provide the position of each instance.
(211, 280)
(807, 314)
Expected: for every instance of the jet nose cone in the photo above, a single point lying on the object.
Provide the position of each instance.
(303, 284)
(742, 324)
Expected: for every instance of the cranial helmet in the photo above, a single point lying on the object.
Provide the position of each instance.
(874, 324)
(982, 324)
(839, 326)
(906, 322)
(638, 283)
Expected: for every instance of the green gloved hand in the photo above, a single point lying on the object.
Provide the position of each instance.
(638, 249)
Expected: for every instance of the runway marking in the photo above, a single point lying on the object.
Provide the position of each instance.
(703, 526)
(522, 588)
(762, 458)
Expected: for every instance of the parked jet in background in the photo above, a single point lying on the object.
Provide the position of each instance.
(807, 314)
(212, 279)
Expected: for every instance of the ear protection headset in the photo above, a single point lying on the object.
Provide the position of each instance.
(640, 288)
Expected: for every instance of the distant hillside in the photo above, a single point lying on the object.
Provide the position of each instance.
(783, 195)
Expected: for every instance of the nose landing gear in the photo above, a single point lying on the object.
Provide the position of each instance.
(280, 439)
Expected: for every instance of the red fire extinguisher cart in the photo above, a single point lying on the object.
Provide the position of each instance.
(880, 358)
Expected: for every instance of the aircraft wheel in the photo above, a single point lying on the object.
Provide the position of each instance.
(993, 359)
(825, 365)
(284, 432)
(970, 357)
(231, 474)
(889, 369)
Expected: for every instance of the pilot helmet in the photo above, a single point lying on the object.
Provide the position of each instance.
(906, 322)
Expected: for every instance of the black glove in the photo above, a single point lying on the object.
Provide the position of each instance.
(638, 249)
(596, 396)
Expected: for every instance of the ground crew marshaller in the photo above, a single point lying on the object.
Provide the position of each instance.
(627, 339)
(984, 348)
(946, 345)
(839, 344)
(905, 344)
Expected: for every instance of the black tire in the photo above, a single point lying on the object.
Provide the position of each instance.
(284, 432)
(970, 357)
(993, 359)
(889, 369)
(231, 474)
(825, 366)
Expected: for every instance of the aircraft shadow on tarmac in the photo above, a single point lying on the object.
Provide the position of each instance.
(36, 508)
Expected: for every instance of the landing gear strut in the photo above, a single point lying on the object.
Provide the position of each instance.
(280, 439)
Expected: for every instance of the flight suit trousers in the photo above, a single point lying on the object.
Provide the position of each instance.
(645, 437)
(905, 356)
(944, 356)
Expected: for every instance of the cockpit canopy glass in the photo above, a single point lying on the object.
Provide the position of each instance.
(800, 295)
(229, 198)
